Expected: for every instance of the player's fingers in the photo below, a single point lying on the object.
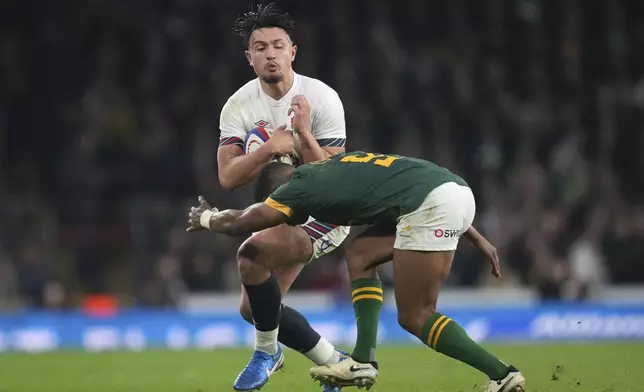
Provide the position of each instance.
(281, 128)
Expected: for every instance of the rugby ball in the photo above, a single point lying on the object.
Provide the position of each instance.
(260, 135)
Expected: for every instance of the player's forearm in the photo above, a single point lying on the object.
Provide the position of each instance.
(254, 218)
(310, 149)
(228, 222)
(476, 238)
(473, 235)
(242, 169)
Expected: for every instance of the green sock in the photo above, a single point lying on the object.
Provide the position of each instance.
(367, 302)
(447, 337)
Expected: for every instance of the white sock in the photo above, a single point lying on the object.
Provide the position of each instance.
(266, 341)
(323, 353)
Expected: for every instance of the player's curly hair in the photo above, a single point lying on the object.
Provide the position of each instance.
(266, 15)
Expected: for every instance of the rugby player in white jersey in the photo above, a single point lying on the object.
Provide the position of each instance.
(278, 100)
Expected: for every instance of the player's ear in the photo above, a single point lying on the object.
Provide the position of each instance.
(293, 52)
(248, 57)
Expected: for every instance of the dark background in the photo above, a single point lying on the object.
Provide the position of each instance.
(109, 125)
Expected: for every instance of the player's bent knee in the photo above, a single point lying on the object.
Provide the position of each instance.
(362, 259)
(358, 264)
(276, 247)
(368, 250)
(252, 272)
(252, 250)
(253, 253)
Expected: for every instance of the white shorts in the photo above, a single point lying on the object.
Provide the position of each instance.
(325, 236)
(445, 214)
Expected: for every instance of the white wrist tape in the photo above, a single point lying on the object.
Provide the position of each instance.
(204, 220)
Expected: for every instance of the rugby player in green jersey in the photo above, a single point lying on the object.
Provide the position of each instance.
(427, 206)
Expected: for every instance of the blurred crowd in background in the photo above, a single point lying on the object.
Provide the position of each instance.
(109, 127)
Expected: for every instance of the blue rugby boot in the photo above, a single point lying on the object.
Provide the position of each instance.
(259, 369)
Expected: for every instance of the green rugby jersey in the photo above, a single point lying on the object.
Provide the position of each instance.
(359, 188)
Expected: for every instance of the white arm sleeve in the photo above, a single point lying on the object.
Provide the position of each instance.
(328, 125)
(230, 125)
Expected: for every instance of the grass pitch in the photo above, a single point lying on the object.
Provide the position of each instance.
(572, 367)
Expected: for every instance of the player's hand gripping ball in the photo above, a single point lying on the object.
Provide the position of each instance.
(285, 143)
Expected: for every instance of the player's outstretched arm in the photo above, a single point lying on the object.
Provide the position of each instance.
(254, 218)
(486, 248)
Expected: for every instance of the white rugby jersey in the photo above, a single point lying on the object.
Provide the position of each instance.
(250, 107)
